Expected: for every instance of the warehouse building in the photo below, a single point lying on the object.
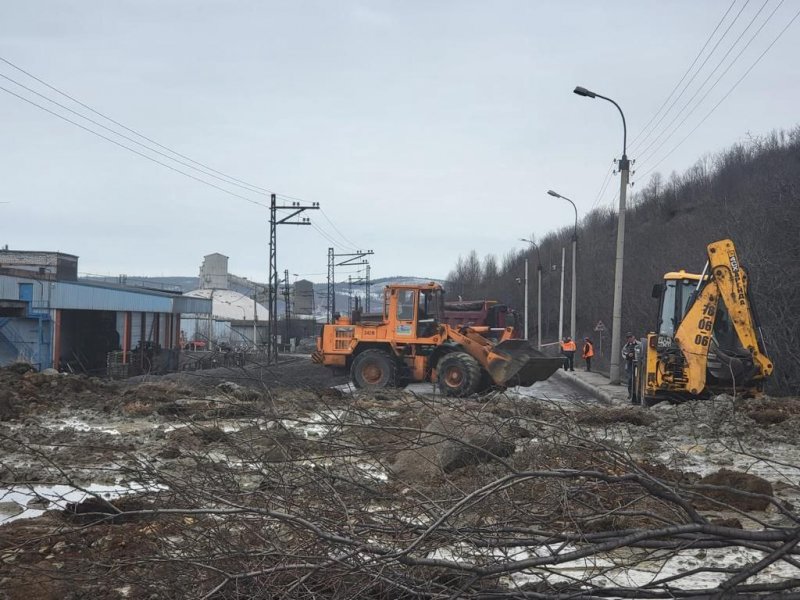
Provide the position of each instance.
(50, 318)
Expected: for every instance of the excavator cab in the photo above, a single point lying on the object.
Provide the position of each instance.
(675, 295)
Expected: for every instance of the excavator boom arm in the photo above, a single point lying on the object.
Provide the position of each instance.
(732, 283)
(727, 283)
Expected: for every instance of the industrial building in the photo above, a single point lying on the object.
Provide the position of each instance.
(236, 319)
(50, 318)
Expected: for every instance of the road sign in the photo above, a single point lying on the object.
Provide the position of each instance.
(599, 326)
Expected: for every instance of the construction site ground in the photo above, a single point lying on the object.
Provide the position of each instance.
(282, 481)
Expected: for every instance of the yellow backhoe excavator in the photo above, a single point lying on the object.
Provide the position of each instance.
(410, 342)
(707, 339)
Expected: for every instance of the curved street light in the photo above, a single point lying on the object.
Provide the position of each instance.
(538, 291)
(624, 171)
(574, 299)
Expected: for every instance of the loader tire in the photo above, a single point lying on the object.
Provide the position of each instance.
(459, 374)
(373, 370)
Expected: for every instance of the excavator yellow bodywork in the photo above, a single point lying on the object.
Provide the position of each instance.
(409, 342)
(707, 339)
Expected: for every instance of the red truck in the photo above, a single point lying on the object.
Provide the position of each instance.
(482, 312)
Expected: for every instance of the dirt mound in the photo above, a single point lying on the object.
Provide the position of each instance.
(592, 487)
(9, 405)
(25, 390)
(740, 490)
(664, 473)
(291, 371)
(96, 510)
(609, 416)
(768, 411)
(451, 442)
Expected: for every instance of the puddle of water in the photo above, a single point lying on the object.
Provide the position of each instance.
(607, 570)
(59, 495)
(81, 425)
(323, 423)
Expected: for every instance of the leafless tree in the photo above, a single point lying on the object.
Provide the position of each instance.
(303, 493)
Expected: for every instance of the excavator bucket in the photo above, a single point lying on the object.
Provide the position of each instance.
(516, 362)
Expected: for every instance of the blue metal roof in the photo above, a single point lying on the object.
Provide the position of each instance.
(84, 295)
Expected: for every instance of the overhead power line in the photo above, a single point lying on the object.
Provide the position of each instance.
(691, 66)
(644, 152)
(129, 138)
(692, 78)
(343, 236)
(129, 129)
(128, 148)
(152, 145)
(728, 93)
(603, 186)
(328, 238)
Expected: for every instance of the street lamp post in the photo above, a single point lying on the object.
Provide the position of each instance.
(538, 293)
(561, 298)
(526, 299)
(624, 171)
(572, 315)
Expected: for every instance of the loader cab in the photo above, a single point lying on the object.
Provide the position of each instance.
(413, 311)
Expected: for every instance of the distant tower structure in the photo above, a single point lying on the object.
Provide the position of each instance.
(303, 297)
(214, 272)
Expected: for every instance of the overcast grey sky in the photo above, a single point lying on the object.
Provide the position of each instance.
(424, 129)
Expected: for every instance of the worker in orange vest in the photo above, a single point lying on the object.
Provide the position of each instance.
(588, 353)
(568, 350)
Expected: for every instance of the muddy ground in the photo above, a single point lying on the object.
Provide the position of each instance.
(272, 483)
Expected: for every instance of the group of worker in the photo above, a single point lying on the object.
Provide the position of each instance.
(568, 349)
(630, 353)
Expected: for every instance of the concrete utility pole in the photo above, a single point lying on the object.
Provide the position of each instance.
(287, 305)
(573, 328)
(624, 171)
(526, 298)
(561, 298)
(539, 306)
(538, 294)
(255, 316)
(367, 291)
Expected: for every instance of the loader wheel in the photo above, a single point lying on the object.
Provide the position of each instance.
(373, 369)
(459, 374)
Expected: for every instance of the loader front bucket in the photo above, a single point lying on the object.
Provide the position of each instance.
(516, 362)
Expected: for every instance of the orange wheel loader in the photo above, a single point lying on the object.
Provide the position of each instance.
(409, 342)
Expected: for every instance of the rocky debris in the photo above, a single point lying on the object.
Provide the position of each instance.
(11, 509)
(450, 442)
(731, 522)
(609, 416)
(38, 502)
(9, 408)
(237, 391)
(325, 455)
(94, 509)
(769, 411)
(734, 488)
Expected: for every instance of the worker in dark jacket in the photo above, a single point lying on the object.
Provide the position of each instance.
(588, 353)
(630, 353)
(568, 350)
